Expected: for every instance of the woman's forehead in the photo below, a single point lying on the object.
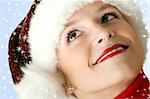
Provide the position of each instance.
(97, 6)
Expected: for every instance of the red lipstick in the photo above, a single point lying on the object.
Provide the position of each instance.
(110, 52)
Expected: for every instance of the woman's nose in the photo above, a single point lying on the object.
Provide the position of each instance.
(103, 37)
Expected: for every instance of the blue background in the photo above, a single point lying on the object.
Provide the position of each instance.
(11, 14)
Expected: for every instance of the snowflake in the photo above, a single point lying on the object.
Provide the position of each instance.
(24, 37)
(144, 35)
(8, 10)
(6, 35)
(144, 76)
(7, 56)
(14, 33)
(6, 20)
(5, 64)
(8, 3)
(22, 52)
(2, 46)
(4, 77)
(20, 14)
(15, 61)
(19, 37)
(16, 4)
(19, 26)
(10, 28)
(30, 62)
(137, 90)
(132, 97)
(19, 49)
(4, 87)
(3, 18)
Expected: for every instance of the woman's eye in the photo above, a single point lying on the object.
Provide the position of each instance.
(72, 35)
(107, 17)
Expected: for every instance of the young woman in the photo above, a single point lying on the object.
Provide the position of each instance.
(99, 51)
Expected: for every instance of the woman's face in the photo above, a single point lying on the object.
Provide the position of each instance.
(99, 49)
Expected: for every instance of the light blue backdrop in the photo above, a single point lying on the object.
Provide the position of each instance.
(11, 14)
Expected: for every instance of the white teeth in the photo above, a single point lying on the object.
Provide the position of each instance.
(105, 55)
(113, 50)
(108, 53)
(119, 48)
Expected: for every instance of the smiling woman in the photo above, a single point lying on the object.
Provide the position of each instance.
(100, 43)
(75, 52)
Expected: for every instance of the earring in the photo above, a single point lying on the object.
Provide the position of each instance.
(69, 89)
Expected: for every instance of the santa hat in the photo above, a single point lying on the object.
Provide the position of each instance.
(32, 56)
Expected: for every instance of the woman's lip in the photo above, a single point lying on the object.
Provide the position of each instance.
(114, 50)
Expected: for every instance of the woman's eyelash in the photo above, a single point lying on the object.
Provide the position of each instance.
(70, 33)
(108, 16)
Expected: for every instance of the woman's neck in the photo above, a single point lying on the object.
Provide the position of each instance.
(107, 93)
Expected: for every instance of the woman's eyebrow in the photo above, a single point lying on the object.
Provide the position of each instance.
(69, 23)
(105, 6)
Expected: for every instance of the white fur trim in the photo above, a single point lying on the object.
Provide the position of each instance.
(45, 27)
(38, 84)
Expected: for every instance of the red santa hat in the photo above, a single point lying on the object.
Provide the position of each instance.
(32, 56)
